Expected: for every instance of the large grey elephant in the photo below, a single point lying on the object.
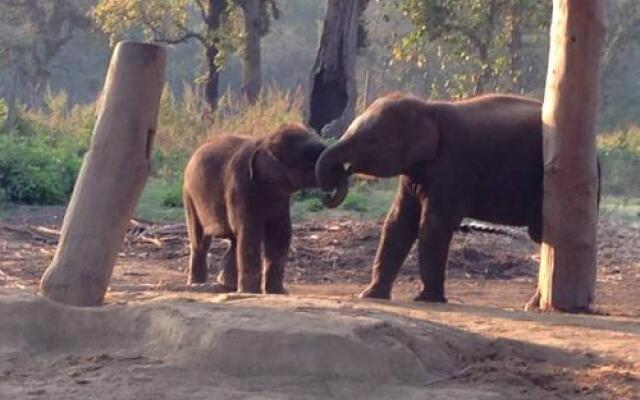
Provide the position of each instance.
(479, 158)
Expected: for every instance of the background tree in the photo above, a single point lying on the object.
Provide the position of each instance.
(32, 33)
(257, 18)
(214, 24)
(620, 62)
(482, 44)
(332, 93)
(174, 22)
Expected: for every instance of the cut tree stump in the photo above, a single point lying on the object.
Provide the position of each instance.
(111, 179)
(568, 255)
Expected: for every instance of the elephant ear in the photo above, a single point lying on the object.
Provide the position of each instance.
(424, 137)
(264, 167)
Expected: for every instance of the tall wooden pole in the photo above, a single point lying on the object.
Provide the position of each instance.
(568, 255)
(111, 179)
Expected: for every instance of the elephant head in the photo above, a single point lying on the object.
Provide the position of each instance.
(395, 132)
(287, 159)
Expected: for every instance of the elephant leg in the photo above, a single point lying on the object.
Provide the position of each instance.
(276, 248)
(199, 243)
(436, 230)
(228, 276)
(248, 257)
(198, 260)
(398, 235)
(535, 231)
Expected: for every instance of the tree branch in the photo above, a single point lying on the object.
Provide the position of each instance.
(203, 12)
(179, 39)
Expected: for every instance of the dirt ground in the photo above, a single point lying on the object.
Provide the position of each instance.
(489, 278)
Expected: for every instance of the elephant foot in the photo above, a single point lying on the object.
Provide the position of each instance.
(221, 288)
(227, 281)
(431, 297)
(276, 290)
(248, 291)
(196, 280)
(375, 292)
(250, 287)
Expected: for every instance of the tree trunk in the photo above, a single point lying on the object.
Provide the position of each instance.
(515, 48)
(213, 19)
(251, 80)
(331, 93)
(483, 77)
(212, 78)
(111, 179)
(12, 101)
(568, 255)
(483, 45)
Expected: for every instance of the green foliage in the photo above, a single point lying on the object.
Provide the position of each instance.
(36, 170)
(479, 43)
(152, 202)
(625, 207)
(3, 113)
(39, 162)
(171, 21)
(172, 197)
(355, 201)
(620, 162)
(309, 205)
(216, 26)
(307, 200)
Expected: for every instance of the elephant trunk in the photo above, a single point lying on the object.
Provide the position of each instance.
(331, 175)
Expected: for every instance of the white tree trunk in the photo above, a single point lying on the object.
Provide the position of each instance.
(568, 255)
(111, 179)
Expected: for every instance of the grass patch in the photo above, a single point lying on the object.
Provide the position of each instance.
(366, 200)
(625, 207)
(156, 202)
(620, 160)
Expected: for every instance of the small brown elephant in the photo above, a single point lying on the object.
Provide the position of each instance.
(479, 158)
(239, 188)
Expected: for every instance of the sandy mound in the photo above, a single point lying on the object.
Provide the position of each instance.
(182, 349)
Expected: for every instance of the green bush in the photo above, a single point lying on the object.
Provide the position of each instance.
(169, 164)
(356, 201)
(3, 113)
(40, 159)
(171, 195)
(37, 170)
(620, 161)
(313, 204)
